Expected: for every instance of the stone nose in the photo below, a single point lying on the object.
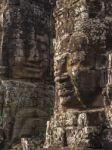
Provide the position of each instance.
(34, 59)
(35, 56)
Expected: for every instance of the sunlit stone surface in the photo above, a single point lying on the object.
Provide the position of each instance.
(83, 112)
(81, 33)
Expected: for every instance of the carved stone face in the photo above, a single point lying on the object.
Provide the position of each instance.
(35, 64)
(81, 61)
(26, 48)
(26, 54)
(80, 77)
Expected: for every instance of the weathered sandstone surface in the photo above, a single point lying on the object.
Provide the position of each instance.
(75, 36)
(82, 64)
(26, 72)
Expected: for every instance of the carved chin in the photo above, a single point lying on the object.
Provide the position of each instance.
(27, 73)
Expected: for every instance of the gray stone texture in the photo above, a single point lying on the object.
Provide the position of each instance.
(26, 72)
(72, 49)
(82, 70)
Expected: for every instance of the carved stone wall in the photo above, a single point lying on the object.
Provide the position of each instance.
(26, 72)
(82, 118)
(83, 48)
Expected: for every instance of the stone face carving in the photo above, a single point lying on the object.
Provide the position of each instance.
(80, 54)
(82, 68)
(26, 87)
(82, 75)
(29, 39)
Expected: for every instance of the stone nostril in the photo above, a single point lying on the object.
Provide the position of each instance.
(34, 58)
(37, 59)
